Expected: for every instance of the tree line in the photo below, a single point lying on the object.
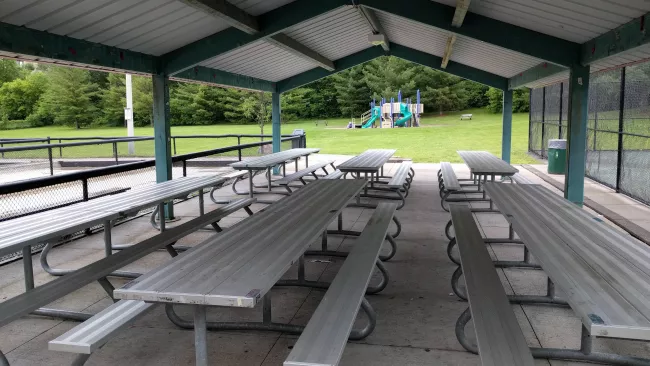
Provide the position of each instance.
(35, 95)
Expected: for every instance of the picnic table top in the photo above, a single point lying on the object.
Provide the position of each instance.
(33, 229)
(274, 159)
(483, 162)
(237, 267)
(369, 160)
(603, 273)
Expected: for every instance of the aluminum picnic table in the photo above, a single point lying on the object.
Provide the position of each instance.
(483, 164)
(238, 267)
(269, 161)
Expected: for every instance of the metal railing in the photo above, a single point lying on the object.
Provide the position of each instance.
(24, 197)
(24, 154)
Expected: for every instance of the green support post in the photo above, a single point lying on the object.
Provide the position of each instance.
(276, 128)
(506, 135)
(574, 181)
(162, 132)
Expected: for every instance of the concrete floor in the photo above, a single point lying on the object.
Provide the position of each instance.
(416, 312)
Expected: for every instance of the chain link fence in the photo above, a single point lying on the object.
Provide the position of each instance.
(618, 129)
(24, 197)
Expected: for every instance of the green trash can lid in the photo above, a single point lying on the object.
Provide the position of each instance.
(559, 144)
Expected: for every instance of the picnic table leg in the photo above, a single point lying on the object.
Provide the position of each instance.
(268, 177)
(324, 241)
(201, 204)
(108, 239)
(306, 160)
(284, 169)
(161, 216)
(365, 188)
(28, 268)
(250, 183)
(296, 164)
(200, 336)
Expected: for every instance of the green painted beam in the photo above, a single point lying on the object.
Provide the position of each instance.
(483, 28)
(235, 16)
(454, 68)
(270, 23)
(535, 73)
(574, 180)
(623, 38)
(162, 134)
(296, 48)
(217, 77)
(506, 132)
(52, 47)
(340, 65)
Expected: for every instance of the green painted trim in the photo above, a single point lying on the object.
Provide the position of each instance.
(272, 22)
(341, 64)
(627, 36)
(535, 73)
(454, 68)
(217, 77)
(483, 28)
(574, 181)
(400, 51)
(506, 134)
(52, 47)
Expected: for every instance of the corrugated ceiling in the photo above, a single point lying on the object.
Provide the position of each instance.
(573, 20)
(261, 60)
(468, 51)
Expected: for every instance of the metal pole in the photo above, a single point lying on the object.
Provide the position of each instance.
(574, 181)
(49, 156)
(621, 128)
(108, 240)
(201, 204)
(174, 143)
(128, 112)
(115, 153)
(60, 150)
(560, 122)
(185, 168)
(28, 268)
(200, 336)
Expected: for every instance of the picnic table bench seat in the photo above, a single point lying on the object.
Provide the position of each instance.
(337, 174)
(448, 184)
(399, 184)
(500, 340)
(301, 174)
(98, 329)
(520, 179)
(603, 273)
(324, 338)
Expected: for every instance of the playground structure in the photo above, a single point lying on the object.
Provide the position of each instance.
(393, 114)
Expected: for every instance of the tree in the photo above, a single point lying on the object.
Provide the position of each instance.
(69, 98)
(142, 100)
(9, 71)
(114, 100)
(19, 98)
(520, 100)
(353, 94)
(257, 107)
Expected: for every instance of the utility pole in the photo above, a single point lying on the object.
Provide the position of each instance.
(128, 114)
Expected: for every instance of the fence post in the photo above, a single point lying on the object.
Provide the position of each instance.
(621, 128)
(595, 129)
(185, 168)
(543, 121)
(174, 141)
(115, 152)
(60, 149)
(3, 153)
(49, 156)
(559, 133)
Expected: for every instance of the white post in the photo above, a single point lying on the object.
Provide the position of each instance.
(128, 113)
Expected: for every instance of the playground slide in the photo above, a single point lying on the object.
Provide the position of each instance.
(376, 113)
(403, 109)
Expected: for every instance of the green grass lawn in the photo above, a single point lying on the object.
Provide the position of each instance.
(437, 139)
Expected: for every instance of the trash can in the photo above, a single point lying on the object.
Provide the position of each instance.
(298, 143)
(556, 156)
